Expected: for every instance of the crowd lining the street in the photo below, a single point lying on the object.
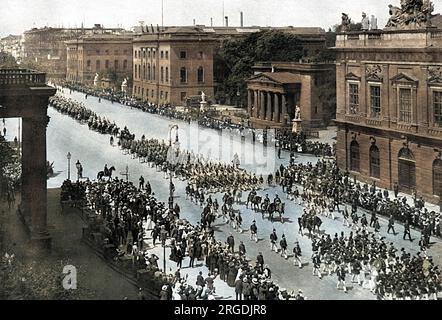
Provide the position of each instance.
(324, 188)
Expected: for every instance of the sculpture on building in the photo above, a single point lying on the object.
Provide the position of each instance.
(373, 72)
(97, 76)
(346, 22)
(373, 23)
(203, 97)
(297, 113)
(365, 22)
(412, 14)
(435, 74)
(124, 85)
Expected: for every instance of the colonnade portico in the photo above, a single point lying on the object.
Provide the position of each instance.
(268, 105)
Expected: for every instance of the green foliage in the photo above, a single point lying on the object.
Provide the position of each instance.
(7, 60)
(234, 62)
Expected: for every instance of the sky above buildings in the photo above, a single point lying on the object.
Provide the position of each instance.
(20, 15)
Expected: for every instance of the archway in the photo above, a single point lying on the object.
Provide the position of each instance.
(437, 177)
(406, 170)
(354, 156)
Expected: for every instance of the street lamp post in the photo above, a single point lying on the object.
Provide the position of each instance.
(171, 160)
(69, 156)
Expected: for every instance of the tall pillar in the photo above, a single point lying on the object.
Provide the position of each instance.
(269, 107)
(34, 204)
(249, 102)
(276, 109)
(255, 103)
(262, 108)
(284, 109)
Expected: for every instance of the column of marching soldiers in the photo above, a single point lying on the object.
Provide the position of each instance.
(321, 189)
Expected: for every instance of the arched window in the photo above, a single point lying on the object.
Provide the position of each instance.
(97, 65)
(183, 75)
(162, 73)
(354, 156)
(406, 170)
(375, 162)
(437, 177)
(200, 75)
(144, 71)
(149, 76)
(154, 74)
(167, 73)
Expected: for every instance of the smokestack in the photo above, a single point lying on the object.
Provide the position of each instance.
(211, 22)
(242, 19)
(227, 21)
(193, 21)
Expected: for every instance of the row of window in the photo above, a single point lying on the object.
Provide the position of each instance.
(405, 103)
(107, 52)
(374, 160)
(149, 73)
(199, 75)
(406, 167)
(151, 53)
(107, 65)
(140, 91)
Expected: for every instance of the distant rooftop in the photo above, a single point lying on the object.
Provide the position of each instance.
(226, 30)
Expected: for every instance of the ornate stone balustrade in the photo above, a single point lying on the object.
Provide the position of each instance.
(21, 77)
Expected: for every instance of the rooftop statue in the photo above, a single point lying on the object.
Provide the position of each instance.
(346, 22)
(412, 14)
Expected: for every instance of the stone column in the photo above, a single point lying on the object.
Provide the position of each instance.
(255, 103)
(262, 108)
(269, 107)
(284, 108)
(249, 102)
(276, 112)
(35, 183)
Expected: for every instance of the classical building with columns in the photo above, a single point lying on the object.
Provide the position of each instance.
(278, 87)
(389, 106)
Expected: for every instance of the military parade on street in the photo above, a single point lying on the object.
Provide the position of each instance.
(224, 162)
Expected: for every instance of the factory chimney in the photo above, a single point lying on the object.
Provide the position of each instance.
(242, 19)
(227, 21)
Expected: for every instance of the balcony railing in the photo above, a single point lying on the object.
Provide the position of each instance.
(21, 77)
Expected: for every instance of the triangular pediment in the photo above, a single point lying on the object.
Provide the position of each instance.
(352, 76)
(263, 78)
(404, 78)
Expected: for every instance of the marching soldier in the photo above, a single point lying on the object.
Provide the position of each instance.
(297, 252)
(391, 225)
(273, 239)
(254, 232)
(407, 230)
(283, 244)
(316, 260)
(341, 277)
(242, 248)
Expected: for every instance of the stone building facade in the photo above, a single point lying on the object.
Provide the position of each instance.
(277, 88)
(108, 55)
(45, 47)
(172, 65)
(389, 108)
